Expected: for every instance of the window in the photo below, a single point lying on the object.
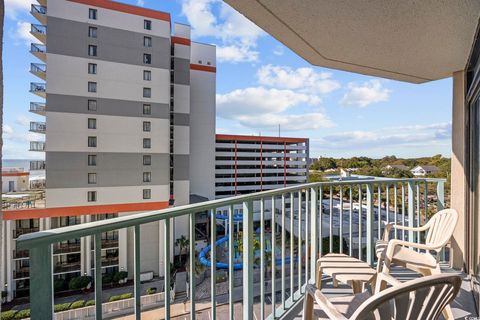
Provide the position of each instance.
(92, 196)
(147, 194)
(147, 42)
(147, 75)
(92, 86)
(92, 160)
(92, 14)
(147, 143)
(147, 92)
(92, 50)
(147, 109)
(92, 68)
(92, 123)
(147, 160)
(147, 126)
(147, 177)
(147, 24)
(92, 178)
(92, 32)
(92, 142)
(92, 105)
(147, 58)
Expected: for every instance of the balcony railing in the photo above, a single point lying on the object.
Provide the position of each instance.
(66, 248)
(39, 127)
(308, 220)
(39, 69)
(37, 108)
(37, 146)
(67, 267)
(38, 9)
(21, 231)
(39, 89)
(21, 273)
(39, 51)
(108, 262)
(20, 254)
(39, 31)
(37, 165)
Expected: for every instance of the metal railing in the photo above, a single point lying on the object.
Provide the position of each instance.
(37, 165)
(21, 231)
(38, 67)
(39, 127)
(37, 87)
(307, 221)
(37, 107)
(38, 28)
(61, 248)
(37, 146)
(38, 9)
(36, 47)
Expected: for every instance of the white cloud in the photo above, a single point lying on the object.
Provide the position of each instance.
(237, 33)
(22, 120)
(287, 122)
(7, 129)
(278, 51)
(15, 7)
(366, 93)
(140, 3)
(236, 54)
(303, 79)
(21, 34)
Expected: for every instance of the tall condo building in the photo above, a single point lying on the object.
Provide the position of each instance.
(129, 107)
(246, 164)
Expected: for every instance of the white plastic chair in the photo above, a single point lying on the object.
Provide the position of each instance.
(419, 299)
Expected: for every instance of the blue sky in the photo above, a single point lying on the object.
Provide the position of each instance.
(261, 84)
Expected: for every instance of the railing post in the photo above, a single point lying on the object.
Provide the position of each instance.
(440, 195)
(313, 234)
(191, 283)
(369, 227)
(137, 288)
(41, 282)
(248, 261)
(98, 276)
(411, 209)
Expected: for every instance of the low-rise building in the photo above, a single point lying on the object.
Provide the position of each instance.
(14, 179)
(421, 171)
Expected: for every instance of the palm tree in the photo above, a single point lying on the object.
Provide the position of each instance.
(183, 244)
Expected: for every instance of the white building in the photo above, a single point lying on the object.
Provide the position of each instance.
(421, 171)
(14, 179)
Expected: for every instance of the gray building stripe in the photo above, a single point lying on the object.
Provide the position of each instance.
(181, 119)
(67, 37)
(70, 169)
(181, 73)
(181, 167)
(110, 107)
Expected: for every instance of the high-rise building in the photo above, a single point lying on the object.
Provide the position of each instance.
(129, 107)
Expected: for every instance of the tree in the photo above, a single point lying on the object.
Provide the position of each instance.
(183, 244)
(324, 164)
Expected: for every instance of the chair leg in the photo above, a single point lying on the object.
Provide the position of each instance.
(379, 265)
(307, 307)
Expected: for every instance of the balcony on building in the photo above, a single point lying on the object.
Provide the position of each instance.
(20, 254)
(39, 12)
(39, 51)
(40, 89)
(40, 32)
(38, 108)
(66, 247)
(66, 263)
(17, 232)
(21, 273)
(38, 127)
(39, 69)
(37, 146)
(37, 165)
(42, 2)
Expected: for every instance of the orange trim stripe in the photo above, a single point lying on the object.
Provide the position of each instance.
(82, 210)
(15, 174)
(258, 138)
(199, 67)
(184, 41)
(126, 8)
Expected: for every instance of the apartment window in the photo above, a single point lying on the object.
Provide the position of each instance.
(92, 123)
(147, 109)
(147, 194)
(92, 196)
(147, 92)
(147, 160)
(92, 86)
(147, 24)
(147, 143)
(92, 14)
(92, 142)
(147, 75)
(147, 177)
(92, 32)
(92, 105)
(92, 160)
(147, 42)
(92, 178)
(92, 50)
(147, 126)
(92, 68)
(147, 58)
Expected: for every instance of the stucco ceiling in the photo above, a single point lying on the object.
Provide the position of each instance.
(408, 40)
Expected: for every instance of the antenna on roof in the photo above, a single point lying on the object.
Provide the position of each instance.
(279, 130)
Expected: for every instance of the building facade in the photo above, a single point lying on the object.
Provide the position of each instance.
(246, 164)
(129, 107)
(14, 179)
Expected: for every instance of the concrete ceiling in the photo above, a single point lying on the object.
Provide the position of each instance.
(408, 40)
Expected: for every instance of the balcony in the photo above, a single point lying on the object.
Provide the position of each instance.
(21, 273)
(42, 2)
(20, 254)
(40, 89)
(66, 267)
(40, 32)
(39, 70)
(39, 51)
(38, 127)
(304, 217)
(63, 248)
(37, 146)
(40, 13)
(37, 108)
(21, 231)
(37, 165)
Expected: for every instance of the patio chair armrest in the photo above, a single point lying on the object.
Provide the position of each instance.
(422, 228)
(324, 303)
(386, 232)
(395, 242)
(381, 279)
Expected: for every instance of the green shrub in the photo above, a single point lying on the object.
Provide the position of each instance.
(151, 290)
(120, 297)
(120, 276)
(61, 307)
(8, 315)
(59, 285)
(22, 314)
(90, 303)
(107, 278)
(4, 294)
(79, 282)
(77, 304)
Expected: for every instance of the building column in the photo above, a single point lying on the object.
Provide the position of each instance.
(161, 248)
(3, 256)
(458, 170)
(9, 260)
(122, 250)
